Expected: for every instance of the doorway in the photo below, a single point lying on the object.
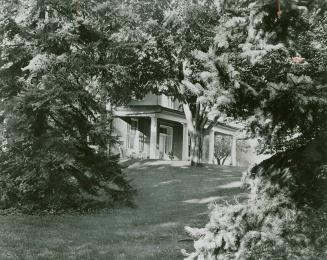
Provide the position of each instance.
(165, 142)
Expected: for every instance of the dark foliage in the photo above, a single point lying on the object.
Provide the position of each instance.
(303, 171)
(58, 72)
(283, 97)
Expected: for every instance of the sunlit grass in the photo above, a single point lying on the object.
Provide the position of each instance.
(170, 196)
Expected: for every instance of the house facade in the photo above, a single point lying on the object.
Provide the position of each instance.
(156, 128)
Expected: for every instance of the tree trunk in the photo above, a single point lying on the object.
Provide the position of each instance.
(218, 161)
(196, 147)
(224, 160)
(196, 136)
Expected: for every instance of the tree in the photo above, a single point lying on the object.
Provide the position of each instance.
(283, 96)
(246, 151)
(285, 91)
(182, 58)
(60, 65)
(222, 148)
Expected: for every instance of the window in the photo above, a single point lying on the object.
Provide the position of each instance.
(165, 141)
(141, 141)
(132, 131)
(163, 130)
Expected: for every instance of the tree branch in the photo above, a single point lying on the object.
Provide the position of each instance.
(213, 123)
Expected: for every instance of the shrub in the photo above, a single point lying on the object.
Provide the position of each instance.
(285, 216)
(60, 177)
(171, 155)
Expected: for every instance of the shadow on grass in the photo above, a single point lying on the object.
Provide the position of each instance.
(171, 195)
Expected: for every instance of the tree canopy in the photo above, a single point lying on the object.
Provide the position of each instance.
(185, 56)
(222, 148)
(61, 63)
(286, 68)
(282, 97)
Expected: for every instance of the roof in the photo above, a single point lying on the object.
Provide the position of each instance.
(146, 110)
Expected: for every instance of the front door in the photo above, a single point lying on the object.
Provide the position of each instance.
(162, 145)
(165, 142)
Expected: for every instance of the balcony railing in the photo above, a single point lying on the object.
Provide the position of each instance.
(169, 102)
(161, 100)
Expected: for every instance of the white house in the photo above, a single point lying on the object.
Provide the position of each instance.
(156, 128)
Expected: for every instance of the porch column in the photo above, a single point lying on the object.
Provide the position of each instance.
(211, 147)
(153, 137)
(185, 143)
(233, 151)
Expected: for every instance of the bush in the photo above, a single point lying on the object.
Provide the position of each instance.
(285, 216)
(53, 179)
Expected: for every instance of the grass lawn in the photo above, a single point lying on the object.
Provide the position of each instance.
(170, 196)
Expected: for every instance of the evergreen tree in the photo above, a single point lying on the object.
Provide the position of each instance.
(283, 96)
(60, 66)
(286, 73)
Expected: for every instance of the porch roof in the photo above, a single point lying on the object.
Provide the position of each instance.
(166, 113)
(147, 110)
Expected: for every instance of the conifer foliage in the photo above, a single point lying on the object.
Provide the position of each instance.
(283, 96)
(56, 77)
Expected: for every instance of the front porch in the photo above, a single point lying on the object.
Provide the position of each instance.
(154, 132)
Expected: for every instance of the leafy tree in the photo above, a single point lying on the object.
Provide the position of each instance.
(60, 65)
(182, 57)
(222, 148)
(246, 151)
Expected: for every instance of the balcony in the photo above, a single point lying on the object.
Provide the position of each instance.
(161, 100)
(169, 102)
